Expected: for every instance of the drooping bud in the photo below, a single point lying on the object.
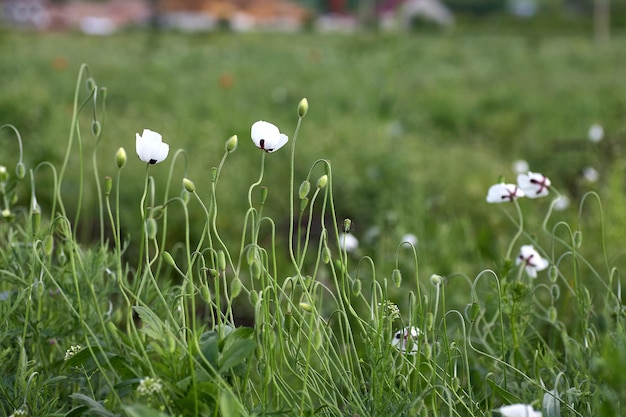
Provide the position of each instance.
(4, 174)
(221, 260)
(305, 187)
(436, 280)
(356, 287)
(167, 257)
(303, 107)
(396, 277)
(235, 287)
(120, 157)
(189, 185)
(322, 181)
(96, 128)
(20, 170)
(48, 245)
(326, 255)
(151, 228)
(231, 144)
(306, 307)
(108, 185)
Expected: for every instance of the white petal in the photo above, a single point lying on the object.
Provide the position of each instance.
(282, 140)
(501, 193)
(518, 410)
(348, 242)
(266, 132)
(534, 184)
(150, 147)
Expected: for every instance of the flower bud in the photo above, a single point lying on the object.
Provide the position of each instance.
(205, 293)
(48, 245)
(168, 258)
(188, 185)
(303, 107)
(108, 185)
(347, 225)
(304, 203)
(151, 228)
(288, 320)
(4, 174)
(96, 128)
(578, 238)
(306, 307)
(356, 287)
(221, 260)
(231, 144)
(552, 314)
(553, 273)
(62, 258)
(396, 277)
(6, 213)
(429, 319)
(20, 170)
(305, 187)
(90, 83)
(170, 342)
(326, 255)
(255, 269)
(253, 297)
(214, 174)
(472, 311)
(120, 157)
(436, 280)
(322, 181)
(263, 194)
(317, 339)
(235, 288)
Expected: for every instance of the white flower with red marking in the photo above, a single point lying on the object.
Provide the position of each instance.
(150, 147)
(534, 185)
(531, 260)
(501, 193)
(518, 410)
(406, 340)
(267, 137)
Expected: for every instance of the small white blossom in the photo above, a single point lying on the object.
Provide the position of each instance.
(532, 261)
(267, 137)
(150, 147)
(500, 193)
(590, 174)
(561, 203)
(20, 412)
(348, 242)
(518, 410)
(410, 238)
(73, 350)
(596, 133)
(406, 337)
(149, 386)
(534, 184)
(520, 166)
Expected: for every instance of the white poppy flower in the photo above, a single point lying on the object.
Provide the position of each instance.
(150, 147)
(499, 193)
(532, 261)
(596, 133)
(348, 242)
(518, 410)
(562, 203)
(409, 238)
(266, 136)
(534, 185)
(401, 339)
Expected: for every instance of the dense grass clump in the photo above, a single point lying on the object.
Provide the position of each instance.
(218, 279)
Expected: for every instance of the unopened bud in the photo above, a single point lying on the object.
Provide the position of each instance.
(263, 194)
(436, 280)
(306, 307)
(326, 255)
(578, 238)
(120, 157)
(151, 228)
(356, 287)
(303, 107)
(189, 185)
(4, 174)
(429, 319)
(48, 245)
(231, 144)
(396, 277)
(552, 314)
(322, 181)
(167, 257)
(108, 185)
(96, 128)
(235, 287)
(221, 260)
(347, 225)
(205, 292)
(90, 83)
(305, 187)
(20, 170)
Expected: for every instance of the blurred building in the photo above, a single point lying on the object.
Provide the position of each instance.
(239, 15)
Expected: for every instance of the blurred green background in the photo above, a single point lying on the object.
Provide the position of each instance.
(416, 125)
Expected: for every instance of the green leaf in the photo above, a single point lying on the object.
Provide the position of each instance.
(140, 410)
(152, 325)
(507, 396)
(229, 406)
(94, 407)
(237, 347)
(208, 347)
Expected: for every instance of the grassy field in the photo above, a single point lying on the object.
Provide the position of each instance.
(416, 129)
